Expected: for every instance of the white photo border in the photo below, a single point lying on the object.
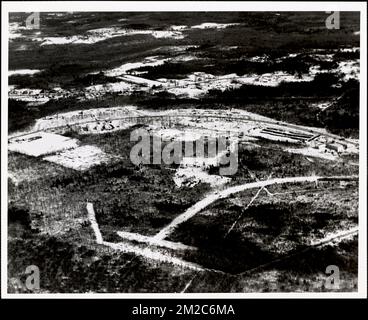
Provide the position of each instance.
(162, 6)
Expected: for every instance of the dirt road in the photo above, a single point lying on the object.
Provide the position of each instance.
(212, 197)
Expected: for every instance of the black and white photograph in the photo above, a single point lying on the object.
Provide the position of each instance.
(184, 149)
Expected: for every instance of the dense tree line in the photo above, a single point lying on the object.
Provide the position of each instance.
(343, 115)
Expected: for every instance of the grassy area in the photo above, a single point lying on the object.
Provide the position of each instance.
(70, 268)
(126, 196)
(271, 158)
(269, 230)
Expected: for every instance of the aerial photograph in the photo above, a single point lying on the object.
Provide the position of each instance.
(183, 152)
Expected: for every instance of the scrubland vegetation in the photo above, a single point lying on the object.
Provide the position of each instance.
(144, 199)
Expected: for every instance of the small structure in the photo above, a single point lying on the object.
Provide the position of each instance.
(335, 147)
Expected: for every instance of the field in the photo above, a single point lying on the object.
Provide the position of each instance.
(281, 88)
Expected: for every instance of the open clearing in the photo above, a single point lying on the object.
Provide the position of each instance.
(80, 158)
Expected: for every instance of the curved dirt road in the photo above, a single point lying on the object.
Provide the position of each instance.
(212, 197)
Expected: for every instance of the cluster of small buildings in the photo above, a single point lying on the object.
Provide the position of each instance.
(329, 145)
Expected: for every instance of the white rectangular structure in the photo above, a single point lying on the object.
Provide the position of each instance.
(41, 143)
